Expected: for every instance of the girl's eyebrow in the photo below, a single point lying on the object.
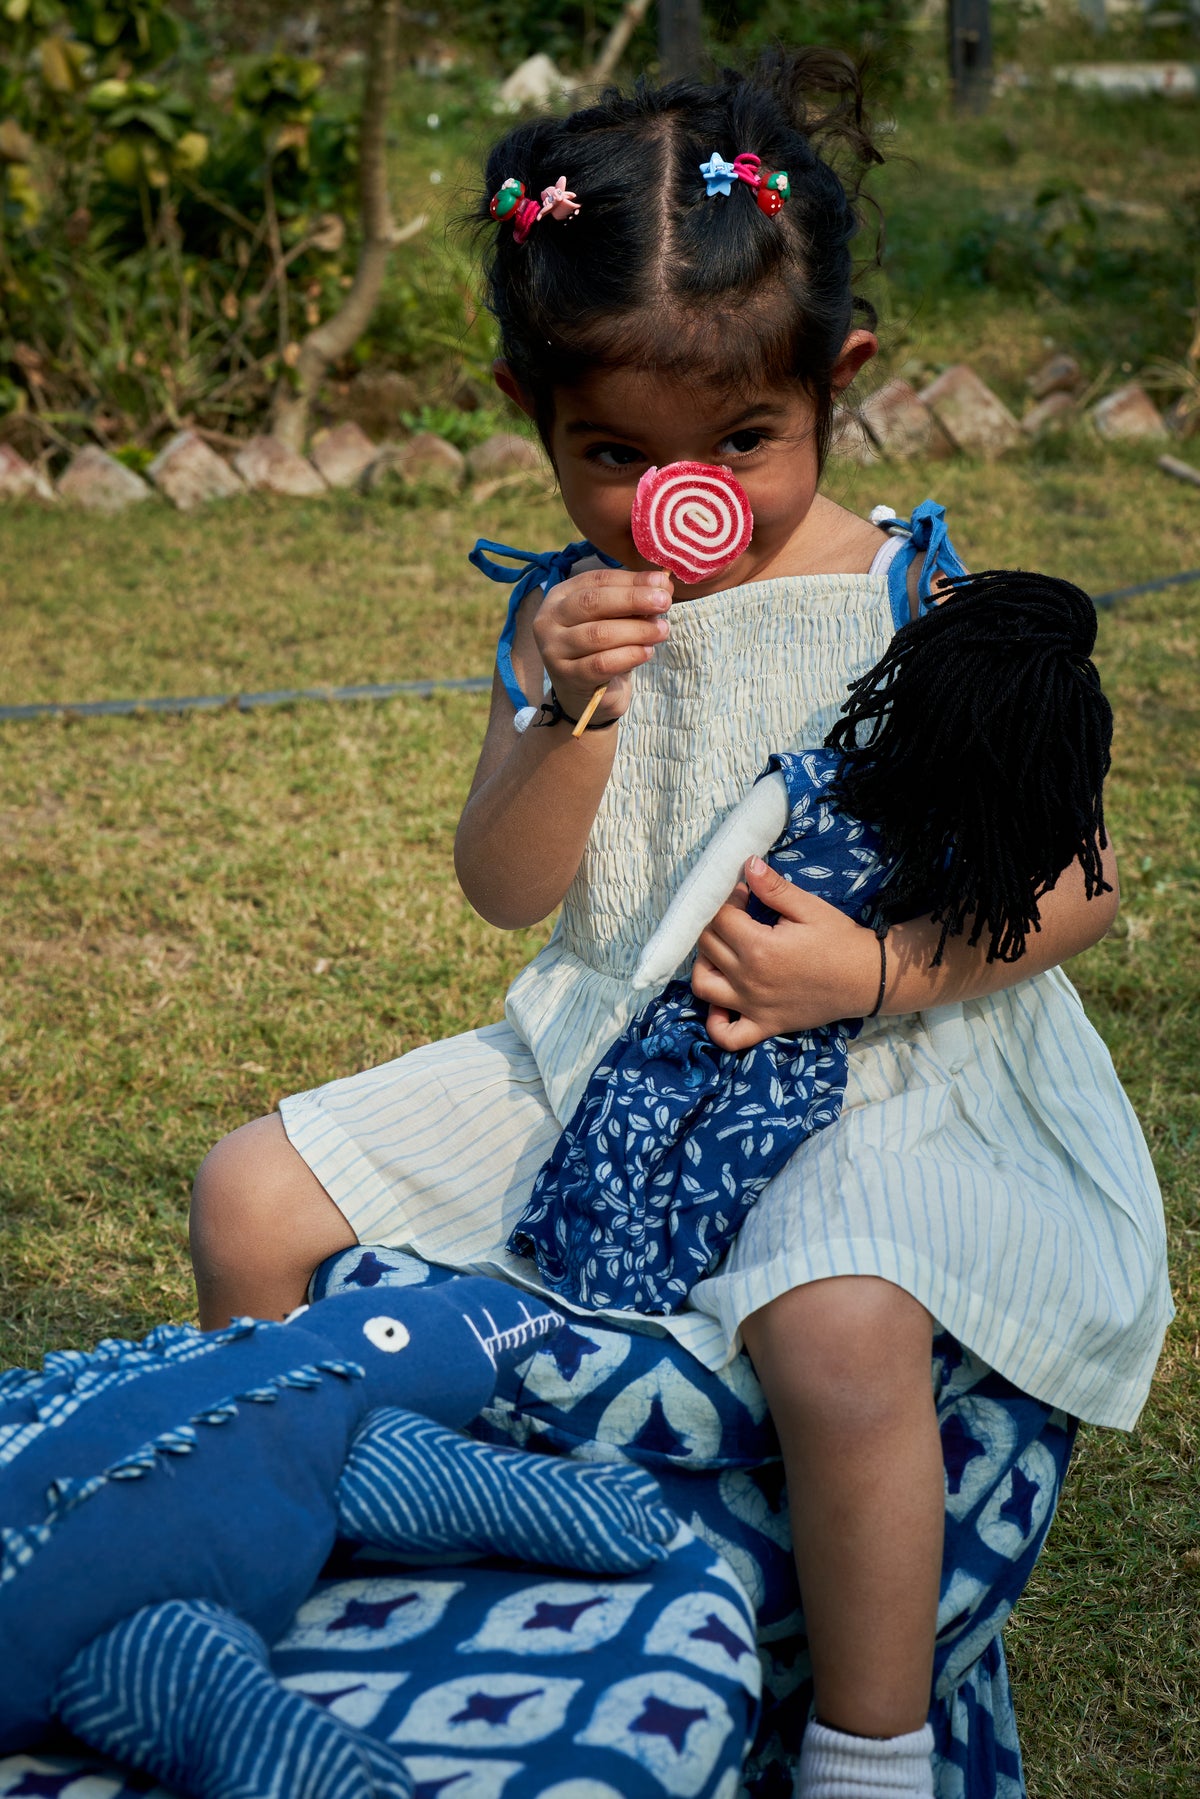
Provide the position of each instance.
(591, 427)
(764, 409)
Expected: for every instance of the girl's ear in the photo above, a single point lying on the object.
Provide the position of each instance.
(857, 350)
(511, 388)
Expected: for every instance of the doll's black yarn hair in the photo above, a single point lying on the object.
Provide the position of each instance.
(986, 740)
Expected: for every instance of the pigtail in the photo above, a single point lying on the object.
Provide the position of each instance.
(987, 741)
(799, 78)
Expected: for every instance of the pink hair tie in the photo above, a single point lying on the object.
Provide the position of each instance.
(525, 216)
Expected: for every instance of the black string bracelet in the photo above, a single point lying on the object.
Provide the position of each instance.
(551, 712)
(881, 931)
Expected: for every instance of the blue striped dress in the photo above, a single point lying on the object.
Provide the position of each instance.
(986, 1160)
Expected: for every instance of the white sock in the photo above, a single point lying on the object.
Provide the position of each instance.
(835, 1765)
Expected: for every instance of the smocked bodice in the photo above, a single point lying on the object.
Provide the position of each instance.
(757, 669)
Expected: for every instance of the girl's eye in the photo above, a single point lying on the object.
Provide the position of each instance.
(742, 443)
(614, 455)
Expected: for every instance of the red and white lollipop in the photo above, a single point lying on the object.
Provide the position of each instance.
(692, 519)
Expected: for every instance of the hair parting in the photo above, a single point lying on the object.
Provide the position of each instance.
(655, 273)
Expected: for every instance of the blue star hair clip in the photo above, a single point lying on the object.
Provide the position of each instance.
(719, 174)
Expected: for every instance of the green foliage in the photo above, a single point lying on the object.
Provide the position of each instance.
(877, 31)
(1057, 216)
(463, 429)
(1066, 243)
(164, 240)
(572, 33)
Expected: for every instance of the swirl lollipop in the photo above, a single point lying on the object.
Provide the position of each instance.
(690, 518)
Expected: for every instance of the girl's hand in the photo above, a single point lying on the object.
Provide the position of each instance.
(813, 966)
(597, 628)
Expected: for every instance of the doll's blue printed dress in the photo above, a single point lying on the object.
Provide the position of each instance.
(674, 1138)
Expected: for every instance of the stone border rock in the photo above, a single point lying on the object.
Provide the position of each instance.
(958, 412)
(189, 473)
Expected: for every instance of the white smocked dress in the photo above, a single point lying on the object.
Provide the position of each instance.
(986, 1159)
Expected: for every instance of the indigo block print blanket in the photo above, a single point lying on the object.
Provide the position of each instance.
(690, 1680)
(674, 1139)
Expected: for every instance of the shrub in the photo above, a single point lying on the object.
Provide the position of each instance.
(164, 239)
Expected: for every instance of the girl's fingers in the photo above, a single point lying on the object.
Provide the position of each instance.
(603, 635)
(729, 1030)
(732, 936)
(609, 592)
(712, 985)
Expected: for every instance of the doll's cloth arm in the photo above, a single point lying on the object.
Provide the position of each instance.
(413, 1486)
(749, 830)
(161, 1688)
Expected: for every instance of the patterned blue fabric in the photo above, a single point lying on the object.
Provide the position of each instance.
(495, 1681)
(596, 1392)
(230, 1731)
(413, 1486)
(112, 1505)
(674, 1138)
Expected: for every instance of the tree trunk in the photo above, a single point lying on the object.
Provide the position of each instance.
(605, 66)
(680, 43)
(334, 337)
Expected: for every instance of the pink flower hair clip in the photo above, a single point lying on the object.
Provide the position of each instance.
(559, 202)
(512, 203)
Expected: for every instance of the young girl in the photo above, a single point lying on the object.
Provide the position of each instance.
(661, 299)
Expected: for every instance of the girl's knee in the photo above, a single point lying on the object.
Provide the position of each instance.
(853, 1346)
(254, 1195)
(236, 1182)
(261, 1222)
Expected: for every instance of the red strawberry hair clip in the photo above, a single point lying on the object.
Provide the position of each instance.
(772, 185)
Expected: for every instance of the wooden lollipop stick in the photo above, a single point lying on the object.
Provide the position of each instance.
(585, 717)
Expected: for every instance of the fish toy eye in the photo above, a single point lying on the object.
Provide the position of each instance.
(387, 1334)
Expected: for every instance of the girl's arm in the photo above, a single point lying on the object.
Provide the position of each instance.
(535, 794)
(816, 965)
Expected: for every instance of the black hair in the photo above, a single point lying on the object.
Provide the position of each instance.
(988, 741)
(652, 273)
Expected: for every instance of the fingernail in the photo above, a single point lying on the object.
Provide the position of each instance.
(756, 866)
(663, 626)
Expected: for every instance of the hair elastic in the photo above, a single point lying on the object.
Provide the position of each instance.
(772, 186)
(512, 203)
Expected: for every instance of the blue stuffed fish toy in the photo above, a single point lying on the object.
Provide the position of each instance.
(166, 1506)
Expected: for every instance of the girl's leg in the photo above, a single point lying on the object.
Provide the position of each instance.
(845, 1367)
(260, 1223)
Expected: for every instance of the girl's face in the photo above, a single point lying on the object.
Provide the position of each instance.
(615, 424)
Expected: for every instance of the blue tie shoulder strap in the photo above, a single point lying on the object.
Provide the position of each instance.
(534, 568)
(926, 536)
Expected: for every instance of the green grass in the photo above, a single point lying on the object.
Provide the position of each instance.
(201, 913)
